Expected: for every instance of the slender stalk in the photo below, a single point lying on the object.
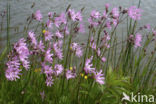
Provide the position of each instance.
(8, 26)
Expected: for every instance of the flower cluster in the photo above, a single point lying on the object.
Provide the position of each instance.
(75, 16)
(13, 71)
(70, 74)
(52, 48)
(99, 77)
(134, 13)
(77, 49)
(138, 39)
(38, 15)
(18, 57)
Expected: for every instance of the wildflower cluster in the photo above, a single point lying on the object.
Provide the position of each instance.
(54, 49)
(19, 56)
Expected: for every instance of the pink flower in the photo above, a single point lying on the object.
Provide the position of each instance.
(58, 51)
(79, 52)
(154, 32)
(49, 81)
(50, 14)
(21, 48)
(49, 23)
(107, 45)
(134, 13)
(12, 73)
(147, 26)
(105, 14)
(76, 47)
(75, 16)
(115, 22)
(23, 52)
(88, 66)
(103, 59)
(95, 14)
(107, 37)
(41, 46)
(26, 64)
(138, 39)
(93, 45)
(92, 22)
(115, 13)
(59, 35)
(60, 20)
(60, 43)
(71, 12)
(47, 69)
(93, 18)
(31, 35)
(48, 56)
(58, 69)
(108, 25)
(48, 36)
(70, 74)
(99, 77)
(38, 15)
(107, 5)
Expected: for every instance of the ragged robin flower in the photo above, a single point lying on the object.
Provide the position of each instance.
(38, 15)
(70, 74)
